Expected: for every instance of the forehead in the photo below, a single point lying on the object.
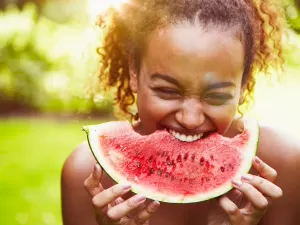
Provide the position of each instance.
(190, 49)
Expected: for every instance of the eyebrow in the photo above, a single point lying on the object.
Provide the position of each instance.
(175, 82)
(165, 77)
(220, 85)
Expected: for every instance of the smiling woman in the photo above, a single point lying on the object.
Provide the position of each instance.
(189, 66)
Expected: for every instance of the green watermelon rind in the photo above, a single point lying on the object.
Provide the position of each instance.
(92, 132)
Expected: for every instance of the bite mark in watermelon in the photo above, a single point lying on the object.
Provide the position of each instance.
(163, 168)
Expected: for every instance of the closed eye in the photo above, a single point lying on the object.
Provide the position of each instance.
(167, 92)
(217, 99)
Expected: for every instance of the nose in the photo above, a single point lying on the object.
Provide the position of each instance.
(190, 115)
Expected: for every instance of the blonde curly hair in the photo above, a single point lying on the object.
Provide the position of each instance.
(260, 21)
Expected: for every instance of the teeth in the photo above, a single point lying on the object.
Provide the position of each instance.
(183, 137)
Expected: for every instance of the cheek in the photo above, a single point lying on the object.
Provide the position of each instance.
(223, 116)
(152, 108)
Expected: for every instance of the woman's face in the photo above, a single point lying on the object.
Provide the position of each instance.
(189, 80)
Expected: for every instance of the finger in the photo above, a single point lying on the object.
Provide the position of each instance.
(117, 212)
(101, 200)
(264, 170)
(266, 187)
(235, 196)
(253, 195)
(92, 183)
(231, 209)
(146, 213)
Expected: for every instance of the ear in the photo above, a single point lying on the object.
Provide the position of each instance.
(133, 79)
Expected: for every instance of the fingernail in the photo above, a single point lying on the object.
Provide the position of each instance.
(126, 187)
(95, 168)
(139, 198)
(237, 182)
(248, 177)
(257, 160)
(154, 206)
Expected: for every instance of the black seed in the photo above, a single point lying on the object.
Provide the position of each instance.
(167, 174)
(179, 158)
(169, 161)
(186, 155)
(159, 172)
(150, 159)
(202, 161)
(222, 168)
(138, 164)
(136, 153)
(151, 170)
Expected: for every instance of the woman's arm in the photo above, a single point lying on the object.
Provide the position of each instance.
(282, 151)
(77, 207)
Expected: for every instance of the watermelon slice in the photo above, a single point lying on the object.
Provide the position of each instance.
(163, 168)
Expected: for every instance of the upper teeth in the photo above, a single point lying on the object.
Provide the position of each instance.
(186, 138)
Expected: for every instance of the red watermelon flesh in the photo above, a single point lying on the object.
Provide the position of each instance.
(167, 169)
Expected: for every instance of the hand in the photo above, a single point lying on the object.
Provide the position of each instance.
(112, 208)
(246, 204)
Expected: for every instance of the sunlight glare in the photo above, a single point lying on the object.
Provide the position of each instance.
(95, 7)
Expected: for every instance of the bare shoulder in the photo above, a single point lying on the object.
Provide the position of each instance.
(79, 163)
(76, 203)
(278, 146)
(280, 149)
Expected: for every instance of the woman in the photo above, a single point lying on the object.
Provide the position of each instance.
(191, 66)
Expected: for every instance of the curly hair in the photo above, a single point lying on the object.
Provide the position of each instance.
(124, 31)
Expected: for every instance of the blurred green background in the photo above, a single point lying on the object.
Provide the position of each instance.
(47, 65)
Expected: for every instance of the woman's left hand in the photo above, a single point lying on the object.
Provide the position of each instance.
(259, 191)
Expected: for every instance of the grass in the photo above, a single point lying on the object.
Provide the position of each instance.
(32, 152)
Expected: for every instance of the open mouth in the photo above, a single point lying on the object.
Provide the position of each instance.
(186, 138)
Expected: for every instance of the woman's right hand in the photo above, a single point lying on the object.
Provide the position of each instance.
(112, 208)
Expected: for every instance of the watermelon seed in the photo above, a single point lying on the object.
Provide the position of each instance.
(150, 159)
(159, 172)
(179, 158)
(222, 168)
(186, 155)
(167, 174)
(168, 161)
(136, 153)
(211, 157)
(193, 157)
(138, 164)
(202, 161)
(151, 170)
